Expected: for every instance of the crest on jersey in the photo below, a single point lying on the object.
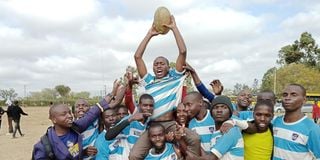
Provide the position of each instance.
(211, 129)
(294, 136)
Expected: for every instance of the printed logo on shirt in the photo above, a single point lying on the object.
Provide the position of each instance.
(74, 150)
(173, 157)
(211, 129)
(295, 136)
(69, 144)
(116, 143)
(136, 133)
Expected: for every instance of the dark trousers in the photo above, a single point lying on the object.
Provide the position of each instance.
(16, 127)
(10, 125)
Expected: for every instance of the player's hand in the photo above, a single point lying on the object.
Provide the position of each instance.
(217, 87)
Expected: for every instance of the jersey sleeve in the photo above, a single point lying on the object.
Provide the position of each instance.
(148, 78)
(314, 142)
(102, 146)
(225, 142)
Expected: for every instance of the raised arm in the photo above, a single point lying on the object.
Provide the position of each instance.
(181, 60)
(141, 66)
(200, 87)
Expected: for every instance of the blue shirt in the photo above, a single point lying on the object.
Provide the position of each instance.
(297, 140)
(229, 145)
(167, 154)
(204, 128)
(167, 91)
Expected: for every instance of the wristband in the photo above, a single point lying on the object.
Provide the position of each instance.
(100, 107)
(111, 96)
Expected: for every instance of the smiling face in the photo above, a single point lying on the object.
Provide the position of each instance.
(263, 114)
(244, 99)
(293, 97)
(182, 115)
(61, 116)
(160, 67)
(146, 105)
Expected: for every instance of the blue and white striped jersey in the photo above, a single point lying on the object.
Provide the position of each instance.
(298, 140)
(204, 128)
(90, 135)
(167, 91)
(133, 131)
(228, 146)
(167, 154)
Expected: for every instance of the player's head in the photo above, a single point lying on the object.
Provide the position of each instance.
(146, 103)
(221, 109)
(161, 67)
(61, 116)
(156, 134)
(263, 114)
(81, 107)
(193, 103)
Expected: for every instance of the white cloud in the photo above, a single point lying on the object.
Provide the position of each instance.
(86, 44)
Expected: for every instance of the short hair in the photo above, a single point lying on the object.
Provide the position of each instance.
(268, 91)
(207, 104)
(82, 100)
(117, 108)
(264, 102)
(304, 92)
(164, 59)
(155, 125)
(53, 108)
(145, 96)
(107, 109)
(195, 94)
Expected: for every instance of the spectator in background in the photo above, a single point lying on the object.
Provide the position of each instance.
(9, 115)
(315, 111)
(1, 113)
(16, 112)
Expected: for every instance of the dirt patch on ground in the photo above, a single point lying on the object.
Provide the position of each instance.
(33, 126)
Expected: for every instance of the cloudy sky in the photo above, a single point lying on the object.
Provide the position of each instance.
(86, 44)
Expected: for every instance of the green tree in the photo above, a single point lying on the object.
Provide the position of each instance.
(8, 94)
(63, 90)
(44, 94)
(238, 87)
(82, 94)
(305, 51)
(268, 79)
(292, 73)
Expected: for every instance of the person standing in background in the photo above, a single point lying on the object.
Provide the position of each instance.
(9, 115)
(315, 112)
(16, 112)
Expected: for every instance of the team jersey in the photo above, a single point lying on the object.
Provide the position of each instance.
(243, 115)
(133, 131)
(167, 154)
(167, 91)
(258, 146)
(116, 149)
(100, 144)
(204, 128)
(89, 136)
(297, 140)
(228, 146)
